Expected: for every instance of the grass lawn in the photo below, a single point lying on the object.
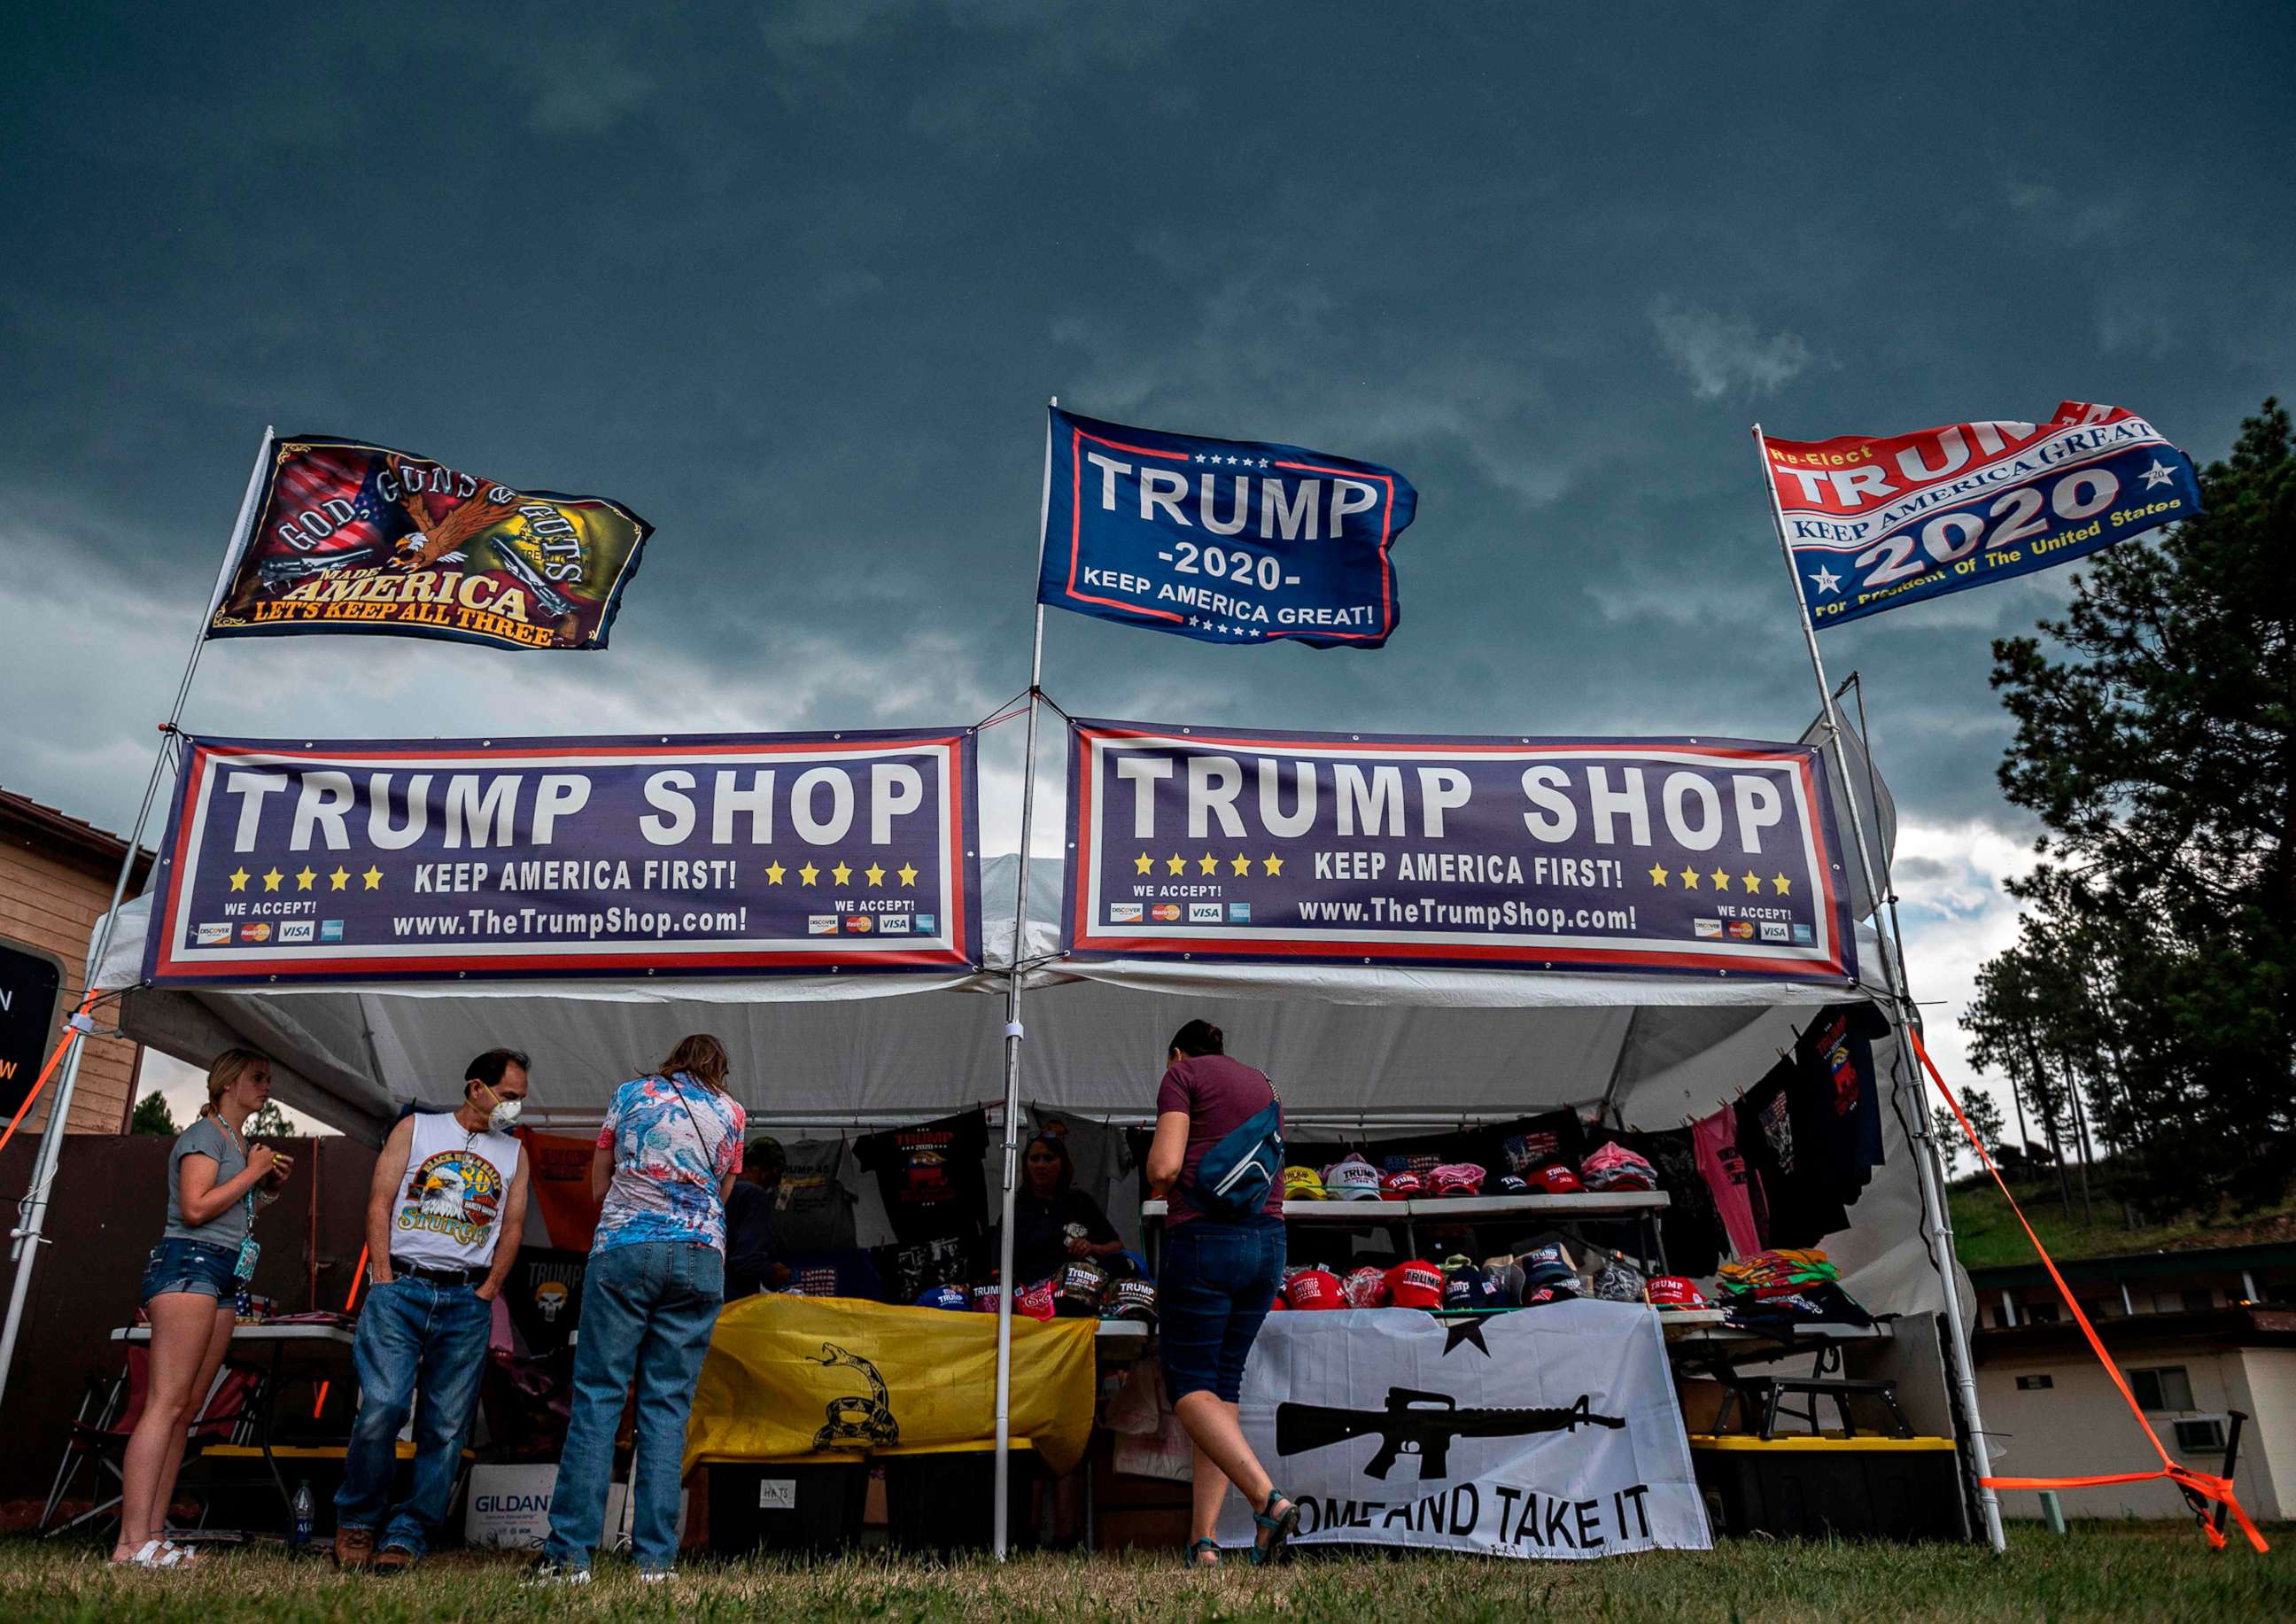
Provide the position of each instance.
(2150, 1571)
(1987, 1235)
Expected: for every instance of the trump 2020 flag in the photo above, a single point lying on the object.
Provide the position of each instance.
(1871, 524)
(1226, 541)
(354, 538)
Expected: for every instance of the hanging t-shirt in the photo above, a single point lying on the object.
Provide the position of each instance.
(1727, 1180)
(1691, 1227)
(930, 1176)
(1097, 1152)
(908, 1267)
(1842, 1097)
(1796, 1183)
(813, 1207)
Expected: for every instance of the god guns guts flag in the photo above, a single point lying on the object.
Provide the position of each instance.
(1874, 523)
(354, 538)
(1226, 541)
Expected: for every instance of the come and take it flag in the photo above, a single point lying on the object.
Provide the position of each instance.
(1873, 523)
(1226, 541)
(354, 538)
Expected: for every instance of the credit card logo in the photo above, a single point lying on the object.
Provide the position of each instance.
(1743, 929)
(1167, 912)
(893, 924)
(1204, 913)
(1124, 913)
(1774, 930)
(1239, 913)
(214, 936)
(1707, 928)
(924, 924)
(256, 932)
(330, 930)
(821, 924)
(297, 929)
(1802, 934)
(859, 924)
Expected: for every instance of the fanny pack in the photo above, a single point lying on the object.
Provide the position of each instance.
(1232, 1181)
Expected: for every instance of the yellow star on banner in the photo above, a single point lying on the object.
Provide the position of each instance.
(1783, 885)
(239, 880)
(1143, 863)
(1240, 864)
(807, 874)
(1658, 874)
(303, 881)
(774, 873)
(374, 878)
(1721, 880)
(340, 878)
(271, 880)
(1274, 865)
(876, 873)
(1690, 879)
(1751, 881)
(1207, 863)
(841, 873)
(1176, 864)
(908, 873)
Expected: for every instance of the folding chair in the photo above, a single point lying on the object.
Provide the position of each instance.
(108, 1412)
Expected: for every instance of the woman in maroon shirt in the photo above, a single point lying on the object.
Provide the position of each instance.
(1217, 1279)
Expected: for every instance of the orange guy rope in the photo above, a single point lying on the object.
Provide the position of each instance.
(73, 1030)
(358, 1279)
(2200, 1483)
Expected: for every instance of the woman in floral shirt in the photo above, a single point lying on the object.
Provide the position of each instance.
(670, 1150)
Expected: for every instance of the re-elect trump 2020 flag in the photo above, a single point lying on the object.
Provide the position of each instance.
(1874, 523)
(1226, 541)
(354, 538)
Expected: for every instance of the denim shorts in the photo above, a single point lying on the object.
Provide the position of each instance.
(178, 1264)
(1215, 1285)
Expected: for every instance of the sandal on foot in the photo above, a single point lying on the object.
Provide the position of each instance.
(156, 1554)
(1280, 1529)
(1192, 1554)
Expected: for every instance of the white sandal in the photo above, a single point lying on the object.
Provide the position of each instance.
(157, 1554)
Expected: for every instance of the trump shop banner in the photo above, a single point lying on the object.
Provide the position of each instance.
(354, 538)
(1680, 854)
(1551, 1432)
(1226, 541)
(517, 858)
(1874, 523)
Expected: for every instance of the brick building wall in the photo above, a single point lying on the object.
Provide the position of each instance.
(56, 875)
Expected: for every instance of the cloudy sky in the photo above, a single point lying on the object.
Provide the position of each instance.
(795, 283)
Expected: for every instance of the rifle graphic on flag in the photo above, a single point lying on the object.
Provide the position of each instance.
(1225, 541)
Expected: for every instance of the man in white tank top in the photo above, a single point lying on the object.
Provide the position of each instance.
(443, 1220)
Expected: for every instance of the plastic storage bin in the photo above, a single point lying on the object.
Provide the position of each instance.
(1901, 1489)
(942, 1500)
(804, 1505)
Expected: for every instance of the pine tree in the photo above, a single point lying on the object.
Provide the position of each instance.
(153, 1116)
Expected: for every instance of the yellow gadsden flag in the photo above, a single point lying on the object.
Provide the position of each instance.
(803, 1376)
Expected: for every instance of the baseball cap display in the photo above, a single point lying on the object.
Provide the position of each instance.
(1312, 1287)
(1619, 1282)
(1673, 1292)
(1080, 1289)
(1509, 1183)
(945, 1297)
(1399, 1186)
(1302, 1184)
(1351, 1180)
(1456, 1178)
(1416, 1285)
(1134, 1297)
(1465, 1286)
(984, 1297)
(1556, 1179)
(1550, 1294)
(1365, 1288)
(1614, 1167)
(1036, 1301)
(1504, 1277)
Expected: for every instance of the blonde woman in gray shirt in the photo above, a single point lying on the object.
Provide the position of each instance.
(216, 1179)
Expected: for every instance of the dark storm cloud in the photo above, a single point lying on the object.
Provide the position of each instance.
(796, 283)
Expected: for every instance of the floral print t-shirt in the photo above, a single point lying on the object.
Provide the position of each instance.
(669, 1158)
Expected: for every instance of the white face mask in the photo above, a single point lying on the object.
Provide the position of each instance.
(504, 1115)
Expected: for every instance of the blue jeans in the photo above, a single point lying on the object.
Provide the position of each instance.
(1217, 1283)
(421, 1345)
(647, 1311)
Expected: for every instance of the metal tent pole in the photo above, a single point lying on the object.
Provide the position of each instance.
(1939, 1220)
(1001, 1539)
(25, 1238)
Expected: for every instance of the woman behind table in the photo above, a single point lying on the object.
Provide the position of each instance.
(669, 1151)
(1217, 1280)
(1052, 1221)
(216, 1179)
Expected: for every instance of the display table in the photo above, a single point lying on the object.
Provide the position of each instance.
(1642, 1206)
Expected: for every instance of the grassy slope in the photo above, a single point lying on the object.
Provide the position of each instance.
(2110, 1571)
(1987, 1234)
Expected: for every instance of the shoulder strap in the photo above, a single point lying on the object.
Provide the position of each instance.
(711, 1158)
